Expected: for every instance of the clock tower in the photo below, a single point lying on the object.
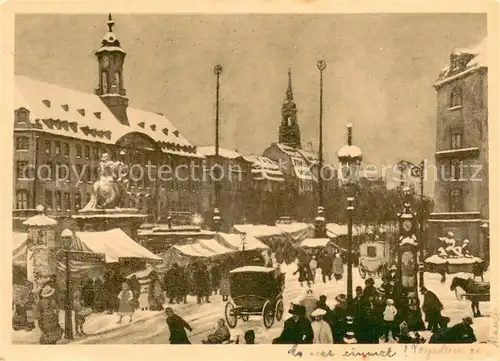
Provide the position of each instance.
(289, 133)
(110, 57)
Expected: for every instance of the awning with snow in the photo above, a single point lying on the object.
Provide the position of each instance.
(115, 244)
(335, 230)
(235, 242)
(214, 246)
(297, 231)
(315, 242)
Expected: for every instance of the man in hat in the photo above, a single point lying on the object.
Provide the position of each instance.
(369, 288)
(297, 329)
(432, 308)
(177, 327)
(462, 332)
(321, 329)
(393, 274)
(339, 318)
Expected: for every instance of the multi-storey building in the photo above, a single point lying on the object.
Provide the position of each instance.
(300, 166)
(56, 127)
(249, 187)
(461, 190)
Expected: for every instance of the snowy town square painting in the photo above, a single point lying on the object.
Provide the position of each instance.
(273, 179)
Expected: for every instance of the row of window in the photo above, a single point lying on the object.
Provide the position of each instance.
(62, 201)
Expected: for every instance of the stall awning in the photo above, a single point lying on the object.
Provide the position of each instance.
(297, 231)
(115, 244)
(258, 230)
(314, 242)
(214, 246)
(235, 242)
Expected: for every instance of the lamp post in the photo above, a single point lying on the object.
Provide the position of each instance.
(66, 237)
(350, 158)
(216, 216)
(243, 241)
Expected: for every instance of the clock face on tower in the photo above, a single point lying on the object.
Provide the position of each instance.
(407, 225)
(105, 61)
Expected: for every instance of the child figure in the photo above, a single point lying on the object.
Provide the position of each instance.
(390, 313)
(126, 298)
(80, 313)
(144, 300)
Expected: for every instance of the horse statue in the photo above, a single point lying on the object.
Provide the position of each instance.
(110, 188)
(475, 292)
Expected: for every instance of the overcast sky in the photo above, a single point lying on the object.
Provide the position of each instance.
(379, 75)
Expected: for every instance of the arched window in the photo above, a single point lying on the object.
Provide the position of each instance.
(456, 97)
(104, 77)
(22, 199)
(456, 201)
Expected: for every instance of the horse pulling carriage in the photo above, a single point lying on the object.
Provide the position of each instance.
(255, 291)
(472, 290)
(374, 257)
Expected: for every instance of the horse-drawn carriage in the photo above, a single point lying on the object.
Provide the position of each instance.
(472, 290)
(374, 257)
(255, 290)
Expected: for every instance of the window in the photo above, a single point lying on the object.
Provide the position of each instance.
(58, 148)
(79, 175)
(22, 116)
(456, 140)
(104, 80)
(457, 169)
(87, 152)
(88, 174)
(22, 199)
(95, 151)
(456, 97)
(67, 201)
(58, 200)
(78, 201)
(456, 203)
(62, 172)
(22, 143)
(48, 147)
(66, 149)
(46, 171)
(22, 172)
(48, 199)
(78, 151)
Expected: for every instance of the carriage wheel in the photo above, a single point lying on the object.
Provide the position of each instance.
(231, 320)
(245, 318)
(362, 271)
(280, 310)
(460, 293)
(268, 314)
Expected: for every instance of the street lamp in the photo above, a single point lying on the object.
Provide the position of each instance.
(320, 219)
(216, 216)
(243, 237)
(350, 158)
(66, 237)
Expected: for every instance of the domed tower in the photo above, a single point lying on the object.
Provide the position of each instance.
(289, 132)
(110, 57)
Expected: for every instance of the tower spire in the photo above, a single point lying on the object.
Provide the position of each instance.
(110, 23)
(289, 92)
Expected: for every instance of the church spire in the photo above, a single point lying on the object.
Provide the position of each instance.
(289, 92)
(289, 132)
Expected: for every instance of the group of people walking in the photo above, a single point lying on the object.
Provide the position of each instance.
(329, 265)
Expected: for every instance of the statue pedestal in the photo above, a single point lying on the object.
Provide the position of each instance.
(94, 220)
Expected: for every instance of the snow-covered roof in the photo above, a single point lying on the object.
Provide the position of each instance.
(310, 156)
(474, 57)
(349, 151)
(264, 168)
(301, 161)
(40, 220)
(209, 151)
(70, 113)
(252, 269)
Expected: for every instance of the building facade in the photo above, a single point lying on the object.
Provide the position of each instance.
(300, 167)
(249, 186)
(61, 134)
(461, 190)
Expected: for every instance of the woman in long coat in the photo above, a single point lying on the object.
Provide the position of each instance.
(48, 317)
(338, 267)
(126, 299)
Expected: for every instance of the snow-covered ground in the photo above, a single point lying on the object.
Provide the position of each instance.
(150, 327)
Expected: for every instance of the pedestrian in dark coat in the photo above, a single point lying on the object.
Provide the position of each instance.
(177, 327)
(339, 318)
(370, 290)
(326, 264)
(88, 292)
(432, 308)
(303, 272)
(99, 296)
(297, 329)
